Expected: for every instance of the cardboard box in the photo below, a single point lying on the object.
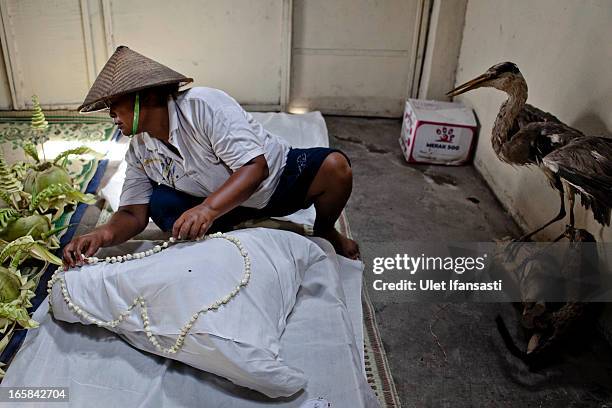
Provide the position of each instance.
(437, 132)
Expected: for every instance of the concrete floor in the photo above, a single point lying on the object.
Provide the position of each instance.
(394, 203)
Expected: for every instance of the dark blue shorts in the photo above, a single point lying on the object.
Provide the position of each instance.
(166, 204)
(301, 168)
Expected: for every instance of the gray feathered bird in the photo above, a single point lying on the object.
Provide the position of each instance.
(525, 135)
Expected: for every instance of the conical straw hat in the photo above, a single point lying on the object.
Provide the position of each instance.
(128, 71)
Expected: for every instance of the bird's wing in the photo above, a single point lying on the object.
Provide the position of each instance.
(530, 114)
(536, 140)
(585, 163)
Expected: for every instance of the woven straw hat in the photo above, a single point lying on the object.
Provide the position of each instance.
(125, 72)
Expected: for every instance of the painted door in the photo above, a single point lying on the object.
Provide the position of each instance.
(354, 57)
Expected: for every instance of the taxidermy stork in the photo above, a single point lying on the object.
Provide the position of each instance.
(525, 135)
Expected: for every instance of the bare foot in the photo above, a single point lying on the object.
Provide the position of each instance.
(344, 246)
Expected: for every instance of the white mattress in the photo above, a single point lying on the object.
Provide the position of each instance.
(303, 130)
(324, 338)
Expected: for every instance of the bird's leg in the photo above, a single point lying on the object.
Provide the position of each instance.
(560, 237)
(570, 231)
(513, 248)
(558, 217)
(571, 199)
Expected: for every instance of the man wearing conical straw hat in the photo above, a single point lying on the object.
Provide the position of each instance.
(198, 162)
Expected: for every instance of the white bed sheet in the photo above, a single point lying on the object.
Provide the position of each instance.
(324, 338)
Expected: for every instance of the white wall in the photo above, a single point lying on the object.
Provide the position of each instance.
(355, 57)
(564, 50)
(55, 48)
(234, 45)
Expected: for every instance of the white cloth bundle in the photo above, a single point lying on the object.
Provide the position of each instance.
(240, 340)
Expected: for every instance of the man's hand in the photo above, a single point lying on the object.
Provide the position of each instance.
(83, 246)
(128, 221)
(194, 222)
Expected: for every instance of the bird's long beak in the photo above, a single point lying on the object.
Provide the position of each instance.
(469, 85)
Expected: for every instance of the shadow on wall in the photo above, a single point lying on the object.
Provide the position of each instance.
(591, 124)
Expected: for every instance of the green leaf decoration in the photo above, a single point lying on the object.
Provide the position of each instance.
(38, 121)
(18, 290)
(3, 343)
(7, 215)
(6, 198)
(39, 251)
(78, 151)
(52, 242)
(15, 250)
(18, 314)
(16, 247)
(9, 311)
(10, 186)
(30, 149)
(20, 170)
(56, 230)
(23, 201)
(8, 182)
(11, 283)
(14, 313)
(59, 195)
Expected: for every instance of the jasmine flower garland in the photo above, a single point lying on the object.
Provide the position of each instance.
(141, 302)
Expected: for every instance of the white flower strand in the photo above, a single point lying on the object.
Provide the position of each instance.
(140, 301)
